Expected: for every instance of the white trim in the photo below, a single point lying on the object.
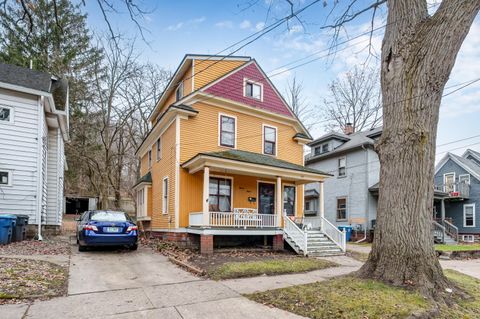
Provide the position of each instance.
(231, 188)
(9, 177)
(220, 114)
(474, 215)
(193, 75)
(247, 80)
(346, 208)
(263, 139)
(177, 172)
(165, 190)
(274, 192)
(234, 232)
(445, 183)
(12, 114)
(460, 177)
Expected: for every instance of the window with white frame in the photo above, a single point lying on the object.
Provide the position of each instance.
(269, 140)
(449, 183)
(165, 196)
(5, 178)
(149, 158)
(141, 202)
(6, 114)
(342, 166)
(253, 90)
(468, 238)
(341, 208)
(179, 92)
(289, 200)
(227, 131)
(469, 215)
(220, 194)
(159, 149)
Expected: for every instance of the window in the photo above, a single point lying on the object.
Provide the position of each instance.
(307, 205)
(220, 195)
(269, 140)
(227, 131)
(469, 215)
(159, 149)
(341, 208)
(165, 196)
(6, 114)
(253, 90)
(179, 92)
(317, 150)
(289, 200)
(468, 238)
(325, 148)
(149, 158)
(342, 166)
(5, 178)
(464, 179)
(449, 182)
(107, 216)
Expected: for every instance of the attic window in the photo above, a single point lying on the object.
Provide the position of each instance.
(253, 90)
(179, 91)
(324, 148)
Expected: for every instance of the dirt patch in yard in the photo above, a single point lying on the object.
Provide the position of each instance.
(53, 246)
(240, 262)
(24, 279)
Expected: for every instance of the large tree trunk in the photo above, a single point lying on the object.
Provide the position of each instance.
(418, 54)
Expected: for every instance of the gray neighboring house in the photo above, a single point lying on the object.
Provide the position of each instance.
(33, 130)
(457, 178)
(351, 194)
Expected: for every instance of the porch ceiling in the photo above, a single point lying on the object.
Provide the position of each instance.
(252, 164)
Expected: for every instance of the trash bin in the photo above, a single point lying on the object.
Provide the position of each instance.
(7, 223)
(348, 231)
(20, 229)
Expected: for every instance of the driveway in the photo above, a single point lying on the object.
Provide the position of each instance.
(139, 284)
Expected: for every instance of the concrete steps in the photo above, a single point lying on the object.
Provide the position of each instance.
(318, 245)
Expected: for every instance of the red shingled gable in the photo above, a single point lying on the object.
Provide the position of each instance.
(231, 87)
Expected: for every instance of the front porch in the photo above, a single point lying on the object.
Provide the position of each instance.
(246, 194)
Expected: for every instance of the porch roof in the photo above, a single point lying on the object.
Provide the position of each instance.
(375, 188)
(147, 178)
(244, 162)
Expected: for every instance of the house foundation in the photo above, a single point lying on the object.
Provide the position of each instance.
(206, 244)
(277, 242)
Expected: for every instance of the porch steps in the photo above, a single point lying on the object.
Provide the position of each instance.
(437, 238)
(318, 245)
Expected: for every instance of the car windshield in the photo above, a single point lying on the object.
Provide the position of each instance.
(108, 217)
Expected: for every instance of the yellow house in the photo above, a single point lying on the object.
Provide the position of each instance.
(223, 160)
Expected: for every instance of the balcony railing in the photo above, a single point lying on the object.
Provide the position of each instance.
(239, 218)
(455, 190)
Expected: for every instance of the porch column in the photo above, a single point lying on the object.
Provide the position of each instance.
(206, 182)
(279, 201)
(442, 209)
(321, 206)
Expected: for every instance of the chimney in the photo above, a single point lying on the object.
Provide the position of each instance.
(348, 128)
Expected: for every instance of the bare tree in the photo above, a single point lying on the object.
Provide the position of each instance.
(419, 50)
(354, 98)
(294, 93)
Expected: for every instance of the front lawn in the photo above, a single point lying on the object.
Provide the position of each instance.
(350, 297)
(23, 279)
(458, 247)
(267, 267)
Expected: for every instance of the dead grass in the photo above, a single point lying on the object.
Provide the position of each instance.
(350, 297)
(267, 267)
(22, 279)
(357, 255)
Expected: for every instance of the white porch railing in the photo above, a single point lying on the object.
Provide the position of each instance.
(293, 231)
(239, 218)
(195, 219)
(438, 231)
(336, 235)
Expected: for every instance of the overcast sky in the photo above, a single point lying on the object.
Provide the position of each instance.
(175, 28)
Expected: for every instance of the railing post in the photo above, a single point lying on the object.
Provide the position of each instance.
(206, 182)
(344, 240)
(321, 206)
(306, 242)
(279, 201)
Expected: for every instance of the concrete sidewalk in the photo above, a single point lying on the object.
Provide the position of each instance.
(263, 283)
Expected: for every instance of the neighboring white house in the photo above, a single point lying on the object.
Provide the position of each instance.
(350, 197)
(33, 130)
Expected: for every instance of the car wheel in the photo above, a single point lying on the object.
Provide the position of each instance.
(134, 247)
(82, 248)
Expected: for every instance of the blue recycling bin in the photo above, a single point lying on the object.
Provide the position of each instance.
(348, 231)
(7, 223)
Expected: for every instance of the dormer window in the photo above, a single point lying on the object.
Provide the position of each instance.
(179, 91)
(253, 90)
(324, 148)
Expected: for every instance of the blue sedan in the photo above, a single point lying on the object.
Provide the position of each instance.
(98, 228)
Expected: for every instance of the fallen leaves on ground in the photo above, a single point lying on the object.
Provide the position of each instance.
(22, 279)
(55, 246)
